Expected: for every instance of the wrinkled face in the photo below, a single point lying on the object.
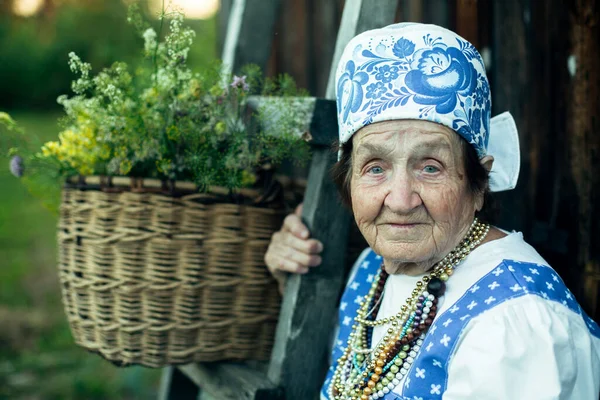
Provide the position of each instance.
(410, 195)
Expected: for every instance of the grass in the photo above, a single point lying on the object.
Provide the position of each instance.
(38, 358)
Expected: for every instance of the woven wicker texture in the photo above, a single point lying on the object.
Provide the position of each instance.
(159, 279)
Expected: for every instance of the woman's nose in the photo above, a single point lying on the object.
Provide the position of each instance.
(402, 196)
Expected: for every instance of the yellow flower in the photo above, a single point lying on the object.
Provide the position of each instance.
(220, 127)
(50, 149)
(195, 88)
(248, 178)
(125, 167)
(86, 170)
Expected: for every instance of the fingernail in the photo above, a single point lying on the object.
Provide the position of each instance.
(304, 234)
(320, 247)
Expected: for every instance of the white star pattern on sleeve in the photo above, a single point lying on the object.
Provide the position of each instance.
(420, 373)
(489, 300)
(347, 321)
(549, 286)
(445, 340)
(472, 305)
(497, 271)
(435, 389)
(493, 285)
(474, 288)
(569, 295)
(354, 285)
(515, 288)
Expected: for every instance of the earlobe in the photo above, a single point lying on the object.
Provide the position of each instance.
(487, 162)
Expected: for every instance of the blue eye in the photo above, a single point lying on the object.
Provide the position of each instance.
(430, 169)
(376, 170)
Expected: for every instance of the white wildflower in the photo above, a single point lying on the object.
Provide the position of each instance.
(149, 40)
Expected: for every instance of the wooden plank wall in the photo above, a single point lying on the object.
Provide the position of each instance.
(544, 67)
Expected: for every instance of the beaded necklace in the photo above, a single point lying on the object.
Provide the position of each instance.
(363, 373)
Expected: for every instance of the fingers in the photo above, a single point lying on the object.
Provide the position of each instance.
(298, 210)
(292, 223)
(282, 257)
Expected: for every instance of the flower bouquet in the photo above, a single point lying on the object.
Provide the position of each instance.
(169, 202)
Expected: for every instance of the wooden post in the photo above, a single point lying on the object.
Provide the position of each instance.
(584, 139)
(467, 20)
(175, 385)
(511, 93)
(249, 33)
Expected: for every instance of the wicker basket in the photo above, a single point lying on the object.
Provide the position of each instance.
(157, 274)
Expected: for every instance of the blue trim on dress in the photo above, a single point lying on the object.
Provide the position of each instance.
(428, 376)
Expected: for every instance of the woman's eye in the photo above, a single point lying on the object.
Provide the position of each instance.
(431, 169)
(375, 170)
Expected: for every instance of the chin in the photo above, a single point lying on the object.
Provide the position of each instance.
(405, 253)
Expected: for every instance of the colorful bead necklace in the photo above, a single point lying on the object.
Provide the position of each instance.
(365, 373)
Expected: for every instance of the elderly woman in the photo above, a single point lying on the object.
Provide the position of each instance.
(441, 305)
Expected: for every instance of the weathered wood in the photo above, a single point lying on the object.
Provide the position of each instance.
(584, 141)
(436, 12)
(358, 16)
(323, 26)
(302, 346)
(225, 381)
(511, 93)
(175, 385)
(467, 21)
(249, 33)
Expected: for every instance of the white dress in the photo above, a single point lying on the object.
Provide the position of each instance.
(532, 342)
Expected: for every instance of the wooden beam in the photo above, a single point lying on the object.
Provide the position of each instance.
(583, 126)
(250, 33)
(303, 339)
(225, 381)
(467, 20)
(511, 90)
(175, 385)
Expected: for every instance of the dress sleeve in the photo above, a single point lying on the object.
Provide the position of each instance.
(526, 348)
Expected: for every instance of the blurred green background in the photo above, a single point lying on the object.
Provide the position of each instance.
(38, 359)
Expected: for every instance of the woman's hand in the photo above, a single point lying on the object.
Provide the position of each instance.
(291, 249)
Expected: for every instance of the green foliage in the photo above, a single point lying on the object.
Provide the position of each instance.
(169, 122)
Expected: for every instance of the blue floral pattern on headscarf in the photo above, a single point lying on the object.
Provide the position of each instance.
(412, 73)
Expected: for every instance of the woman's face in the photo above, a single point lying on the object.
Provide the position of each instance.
(409, 191)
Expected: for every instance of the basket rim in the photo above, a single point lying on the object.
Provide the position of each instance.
(177, 188)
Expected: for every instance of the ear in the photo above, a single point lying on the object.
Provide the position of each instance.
(486, 162)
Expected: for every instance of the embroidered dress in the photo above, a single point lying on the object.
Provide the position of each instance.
(508, 328)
